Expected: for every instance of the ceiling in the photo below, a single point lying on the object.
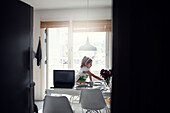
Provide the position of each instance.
(63, 4)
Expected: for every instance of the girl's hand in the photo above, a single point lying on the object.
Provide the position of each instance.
(102, 80)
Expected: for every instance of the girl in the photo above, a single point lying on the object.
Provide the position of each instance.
(84, 72)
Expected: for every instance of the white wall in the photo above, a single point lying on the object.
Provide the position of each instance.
(75, 14)
(58, 15)
(36, 69)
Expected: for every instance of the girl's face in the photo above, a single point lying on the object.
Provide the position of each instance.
(89, 65)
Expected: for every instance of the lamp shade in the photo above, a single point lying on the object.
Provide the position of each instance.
(87, 47)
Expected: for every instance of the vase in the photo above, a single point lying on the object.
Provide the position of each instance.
(108, 82)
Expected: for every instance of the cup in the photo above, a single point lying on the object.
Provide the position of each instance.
(91, 84)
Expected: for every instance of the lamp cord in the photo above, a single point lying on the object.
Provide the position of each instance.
(87, 17)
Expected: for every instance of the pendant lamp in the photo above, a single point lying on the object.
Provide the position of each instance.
(87, 46)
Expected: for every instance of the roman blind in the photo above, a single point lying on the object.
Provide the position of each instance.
(81, 25)
(92, 26)
(54, 24)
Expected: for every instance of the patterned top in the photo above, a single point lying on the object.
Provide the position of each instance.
(81, 77)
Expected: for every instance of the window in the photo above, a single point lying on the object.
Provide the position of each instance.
(58, 48)
(64, 40)
(97, 39)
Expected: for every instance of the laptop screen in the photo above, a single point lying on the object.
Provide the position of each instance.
(64, 78)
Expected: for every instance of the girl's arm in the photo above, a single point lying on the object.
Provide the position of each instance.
(91, 74)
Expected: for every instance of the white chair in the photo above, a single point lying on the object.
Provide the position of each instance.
(53, 104)
(92, 100)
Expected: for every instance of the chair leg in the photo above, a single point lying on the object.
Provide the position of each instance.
(97, 111)
(107, 110)
(71, 98)
(88, 111)
(93, 111)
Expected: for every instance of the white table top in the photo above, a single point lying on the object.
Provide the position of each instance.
(76, 91)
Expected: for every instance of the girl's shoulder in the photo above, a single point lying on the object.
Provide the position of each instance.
(84, 68)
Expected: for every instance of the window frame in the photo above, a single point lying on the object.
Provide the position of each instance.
(100, 26)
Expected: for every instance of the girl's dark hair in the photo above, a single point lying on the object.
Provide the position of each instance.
(85, 60)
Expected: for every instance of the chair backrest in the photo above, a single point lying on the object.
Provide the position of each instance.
(92, 99)
(53, 104)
